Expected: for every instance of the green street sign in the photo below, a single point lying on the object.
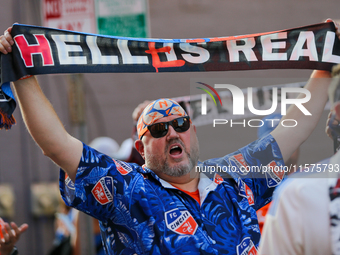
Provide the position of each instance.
(122, 17)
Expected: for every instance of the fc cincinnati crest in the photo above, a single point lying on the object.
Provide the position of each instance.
(218, 179)
(122, 167)
(245, 191)
(239, 162)
(68, 182)
(274, 175)
(246, 247)
(102, 191)
(181, 222)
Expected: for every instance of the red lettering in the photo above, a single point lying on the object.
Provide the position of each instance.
(53, 9)
(42, 47)
(156, 62)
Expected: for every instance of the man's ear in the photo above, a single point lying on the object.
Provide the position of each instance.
(140, 147)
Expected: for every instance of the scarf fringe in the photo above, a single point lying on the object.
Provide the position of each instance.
(6, 121)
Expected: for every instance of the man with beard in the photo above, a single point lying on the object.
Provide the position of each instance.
(170, 205)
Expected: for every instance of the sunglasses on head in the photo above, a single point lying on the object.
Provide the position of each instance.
(160, 129)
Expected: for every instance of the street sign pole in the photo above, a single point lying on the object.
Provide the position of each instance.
(76, 15)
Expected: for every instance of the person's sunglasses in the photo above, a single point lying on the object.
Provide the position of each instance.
(160, 129)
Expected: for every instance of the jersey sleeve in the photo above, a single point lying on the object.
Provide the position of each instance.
(265, 169)
(100, 182)
(256, 168)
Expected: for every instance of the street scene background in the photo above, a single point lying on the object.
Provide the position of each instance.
(111, 98)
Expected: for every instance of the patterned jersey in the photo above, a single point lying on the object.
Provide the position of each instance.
(140, 213)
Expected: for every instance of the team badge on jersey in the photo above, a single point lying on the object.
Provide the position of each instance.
(122, 167)
(181, 222)
(274, 174)
(250, 195)
(218, 179)
(246, 247)
(239, 162)
(68, 182)
(102, 191)
(245, 191)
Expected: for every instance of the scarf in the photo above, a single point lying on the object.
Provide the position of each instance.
(40, 50)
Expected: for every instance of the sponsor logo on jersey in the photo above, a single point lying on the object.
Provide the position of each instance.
(239, 162)
(68, 182)
(218, 179)
(181, 222)
(102, 191)
(246, 247)
(245, 191)
(274, 175)
(122, 167)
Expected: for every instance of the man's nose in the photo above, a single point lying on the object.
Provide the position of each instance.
(171, 133)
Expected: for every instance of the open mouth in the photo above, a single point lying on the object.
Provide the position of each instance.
(175, 150)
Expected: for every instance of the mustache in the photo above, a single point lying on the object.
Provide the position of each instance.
(172, 141)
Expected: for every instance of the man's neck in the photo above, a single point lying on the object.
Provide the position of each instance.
(191, 185)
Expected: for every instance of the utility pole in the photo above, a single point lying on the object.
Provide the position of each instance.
(76, 96)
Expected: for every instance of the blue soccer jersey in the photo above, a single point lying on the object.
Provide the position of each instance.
(141, 214)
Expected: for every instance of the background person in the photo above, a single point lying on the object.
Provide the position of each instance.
(66, 234)
(10, 234)
(291, 163)
(304, 217)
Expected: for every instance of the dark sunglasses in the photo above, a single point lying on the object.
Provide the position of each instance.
(160, 129)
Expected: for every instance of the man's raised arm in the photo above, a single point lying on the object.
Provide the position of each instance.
(290, 138)
(42, 121)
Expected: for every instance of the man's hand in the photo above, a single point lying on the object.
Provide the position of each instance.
(6, 41)
(11, 234)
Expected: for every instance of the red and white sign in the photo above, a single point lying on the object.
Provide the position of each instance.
(75, 15)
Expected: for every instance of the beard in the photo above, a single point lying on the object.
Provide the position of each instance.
(160, 164)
